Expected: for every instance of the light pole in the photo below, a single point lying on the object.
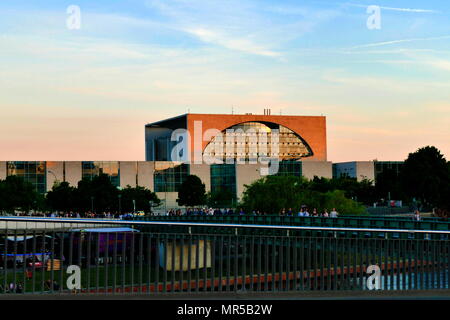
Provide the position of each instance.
(120, 203)
(54, 176)
(92, 204)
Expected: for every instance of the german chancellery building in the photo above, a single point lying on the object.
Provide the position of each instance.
(225, 151)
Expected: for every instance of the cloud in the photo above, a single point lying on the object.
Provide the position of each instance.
(393, 42)
(230, 42)
(394, 9)
(244, 26)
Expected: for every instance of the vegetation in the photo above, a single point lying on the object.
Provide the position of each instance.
(15, 193)
(425, 177)
(221, 199)
(192, 192)
(273, 193)
(97, 194)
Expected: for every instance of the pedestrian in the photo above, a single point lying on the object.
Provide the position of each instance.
(417, 216)
(333, 213)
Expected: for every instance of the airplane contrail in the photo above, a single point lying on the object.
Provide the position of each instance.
(379, 44)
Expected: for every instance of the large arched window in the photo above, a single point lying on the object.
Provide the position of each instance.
(248, 140)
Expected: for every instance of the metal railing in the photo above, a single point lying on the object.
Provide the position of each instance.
(111, 259)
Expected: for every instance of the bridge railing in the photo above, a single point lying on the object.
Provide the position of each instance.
(340, 222)
(114, 256)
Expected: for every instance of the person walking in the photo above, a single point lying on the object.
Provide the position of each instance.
(417, 216)
(334, 213)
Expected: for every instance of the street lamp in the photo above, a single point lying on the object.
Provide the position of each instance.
(54, 176)
(92, 204)
(120, 203)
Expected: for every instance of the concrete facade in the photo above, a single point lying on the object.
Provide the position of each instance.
(73, 172)
(3, 170)
(203, 171)
(355, 169)
(55, 172)
(145, 171)
(317, 168)
(128, 173)
(246, 174)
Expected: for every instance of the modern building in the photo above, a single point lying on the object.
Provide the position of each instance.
(242, 146)
(361, 170)
(369, 170)
(237, 137)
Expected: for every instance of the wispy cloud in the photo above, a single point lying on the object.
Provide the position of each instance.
(412, 10)
(230, 42)
(393, 42)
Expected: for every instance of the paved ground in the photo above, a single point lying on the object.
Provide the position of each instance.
(343, 295)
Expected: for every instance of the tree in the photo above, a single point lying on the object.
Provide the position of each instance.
(61, 197)
(272, 193)
(16, 193)
(425, 176)
(98, 193)
(221, 198)
(192, 192)
(388, 182)
(141, 196)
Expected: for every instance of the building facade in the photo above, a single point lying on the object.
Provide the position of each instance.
(161, 177)
(242, 147)
(236, 137)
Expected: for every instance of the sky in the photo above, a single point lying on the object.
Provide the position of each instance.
(86, 93)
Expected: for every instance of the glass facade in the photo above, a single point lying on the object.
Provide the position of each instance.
(247, 141)
(90, 169)
(34, 172)
(223, 177)
(169, 176)
(290, 168)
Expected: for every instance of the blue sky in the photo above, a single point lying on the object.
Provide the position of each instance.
(86, 94)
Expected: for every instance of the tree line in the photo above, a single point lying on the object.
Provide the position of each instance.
(423, 182)
(97, 195)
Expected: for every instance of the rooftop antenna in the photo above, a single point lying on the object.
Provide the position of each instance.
(232, 109)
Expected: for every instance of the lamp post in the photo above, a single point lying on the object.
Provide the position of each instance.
(92, 204)
(120, 203)
(54, 176)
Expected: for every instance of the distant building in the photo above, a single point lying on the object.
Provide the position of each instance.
(297, 142)
(361, 170)
(299, 137)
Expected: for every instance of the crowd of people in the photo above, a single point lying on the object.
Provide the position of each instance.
(303, 212)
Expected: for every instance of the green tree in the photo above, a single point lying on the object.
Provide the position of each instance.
(98, 193)
(192, 192)
(141, 196)
(16, 193)
(272, 193)
(388, 182)
(61, 197)
(425, 176)
(221, 198)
